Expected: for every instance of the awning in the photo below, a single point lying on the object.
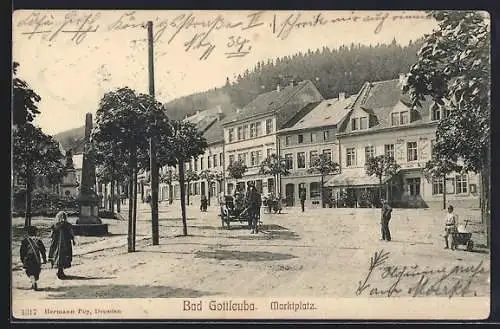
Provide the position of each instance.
(356, 178)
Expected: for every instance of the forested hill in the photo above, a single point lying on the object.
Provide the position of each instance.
(332, 71)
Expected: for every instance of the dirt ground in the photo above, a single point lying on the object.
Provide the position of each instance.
(319, 253)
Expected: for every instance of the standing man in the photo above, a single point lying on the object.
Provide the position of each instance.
(384, 220)
(302, 196)
(450, 228)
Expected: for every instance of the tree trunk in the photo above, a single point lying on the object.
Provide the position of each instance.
(118, 197)
(379, 189)
(444, 192)
(134, 221)
(183, 197)
(208, 183)
(142, 192)
(170, 193)
(112, 203)
(29, 188)
(485, 202)
(322, 193)
(130, 211)
(105, 198)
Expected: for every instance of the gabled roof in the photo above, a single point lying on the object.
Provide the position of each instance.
(267, 102)
(209, 123)
(329, 112)
(380, 99)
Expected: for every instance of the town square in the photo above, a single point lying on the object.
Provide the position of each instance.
(210, 155)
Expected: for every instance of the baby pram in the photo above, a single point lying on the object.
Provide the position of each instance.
(463, 237)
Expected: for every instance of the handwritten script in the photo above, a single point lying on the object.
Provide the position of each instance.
(198, 34)
(387, 280)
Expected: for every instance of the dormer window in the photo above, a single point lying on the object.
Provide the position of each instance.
(400, 118)
(438, 112)
(360, 123)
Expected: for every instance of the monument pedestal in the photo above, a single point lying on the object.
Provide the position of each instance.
(89, 223)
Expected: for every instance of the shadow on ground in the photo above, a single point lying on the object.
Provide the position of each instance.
(122, 291)
(254, 256)
(178, 219)
(279, 234)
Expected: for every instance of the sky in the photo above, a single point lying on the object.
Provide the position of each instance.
(71, 58)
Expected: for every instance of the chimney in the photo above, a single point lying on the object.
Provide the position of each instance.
(341, 96)
(220, 114)
(278, 88)
(197, 112)
(402, 78)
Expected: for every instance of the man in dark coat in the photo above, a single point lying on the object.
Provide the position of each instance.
(254, 202)
(384, 220)
(302, 196)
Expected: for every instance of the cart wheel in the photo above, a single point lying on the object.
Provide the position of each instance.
(470, 245)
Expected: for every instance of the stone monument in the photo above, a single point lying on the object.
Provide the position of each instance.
(88, 222)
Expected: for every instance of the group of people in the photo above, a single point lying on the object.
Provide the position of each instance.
(450, 228)
(33, 252)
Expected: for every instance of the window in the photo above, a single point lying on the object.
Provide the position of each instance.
(354, 124)
(196, 189)
(201, 163)
(243, 158)
(413, 186)
(314, 138)
(195, 164)
(231, 158)
(215, 160)
(326, 135)
(389, 150)
(269, 152)
(363, 123)
(369, 152)
(437, 186)
(269, 126)
(258, 129)
(301, 160)
(289, 161)
(287, 140)
(350, 157)
(315, 190)
(252, 130)
(328, 154)
(405, 118)
(461, 183)
(253, 158)
(312, 156)
(231, 135)
(395, 119)
(209, 163)
(259, 157)
(240, 133)
(411, 151)
(436, 113)
(300, 138)
(245, 132)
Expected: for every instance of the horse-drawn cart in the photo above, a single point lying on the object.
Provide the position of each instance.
(232, 210)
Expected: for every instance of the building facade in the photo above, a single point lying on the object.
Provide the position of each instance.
(314, 133)
(250, 135)
(383, 121)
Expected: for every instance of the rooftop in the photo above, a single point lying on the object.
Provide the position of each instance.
(326, 113)
(267, 102)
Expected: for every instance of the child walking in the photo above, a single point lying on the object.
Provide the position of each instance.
(450, 228)
(32, 254)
